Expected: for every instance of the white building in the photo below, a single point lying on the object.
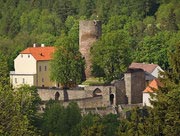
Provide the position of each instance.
(32, 67)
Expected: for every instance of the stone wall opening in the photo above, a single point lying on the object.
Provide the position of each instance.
(57, 95)
(111, 99)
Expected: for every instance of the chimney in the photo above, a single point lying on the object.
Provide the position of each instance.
(34, 45)
(42, 45)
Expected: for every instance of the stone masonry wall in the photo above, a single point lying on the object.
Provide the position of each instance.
(121, 97)
(89, 32)
(47, 94)
(84, 98)
(138, 87)
(134, 85)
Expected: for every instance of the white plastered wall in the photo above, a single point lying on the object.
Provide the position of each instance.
(146, 99)
(25, 64)
(156, 72)
(18, 80)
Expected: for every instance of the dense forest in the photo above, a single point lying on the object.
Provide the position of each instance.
(133, 30)
(148, 29)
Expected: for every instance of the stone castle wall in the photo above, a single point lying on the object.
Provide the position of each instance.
(89, 32)
(84, 97)
(47, 94)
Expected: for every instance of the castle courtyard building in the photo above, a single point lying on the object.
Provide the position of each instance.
(32, 67)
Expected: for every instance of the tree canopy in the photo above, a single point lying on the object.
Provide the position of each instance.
(112, 54)
(67, 65)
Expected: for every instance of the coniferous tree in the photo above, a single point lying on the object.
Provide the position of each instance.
(166, 103)
(4, 72)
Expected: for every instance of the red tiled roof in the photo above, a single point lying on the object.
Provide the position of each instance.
(146, 67)
(153, 86)
(40, 53)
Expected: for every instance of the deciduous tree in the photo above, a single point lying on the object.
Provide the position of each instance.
(67, 65)
(112, 54)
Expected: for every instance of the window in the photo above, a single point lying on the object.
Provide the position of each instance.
(23, 81)
(28, 55)
(21, 55)
(45, 68)
(15, 80)
(39, 68)
(42, 79)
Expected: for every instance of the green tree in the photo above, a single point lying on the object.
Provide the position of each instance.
(67, 65)
(166, 110)
(96, 129)
(111, 124)
(58, 120)
(166, 103)
(29, 101)
(123, 129)
(46, 38)
(93, 124)
(111, 54)
(13, 121)
(48, 23)
(166, 17)
(174, 56)
(87, 8)
(72, 25)
(154, 49)
(150, 26)
(53, 119)
(84, 124)
(64, 8)
(73, 117)
(29, 20)
(116, 23)
(4, 72)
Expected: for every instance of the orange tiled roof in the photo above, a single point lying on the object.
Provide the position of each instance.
(146, 67)
(40, 53)
(154, 85)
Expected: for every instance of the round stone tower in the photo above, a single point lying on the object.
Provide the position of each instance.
(89, 32)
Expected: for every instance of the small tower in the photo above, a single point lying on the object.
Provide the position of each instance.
(89, 32)
(135, 84)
